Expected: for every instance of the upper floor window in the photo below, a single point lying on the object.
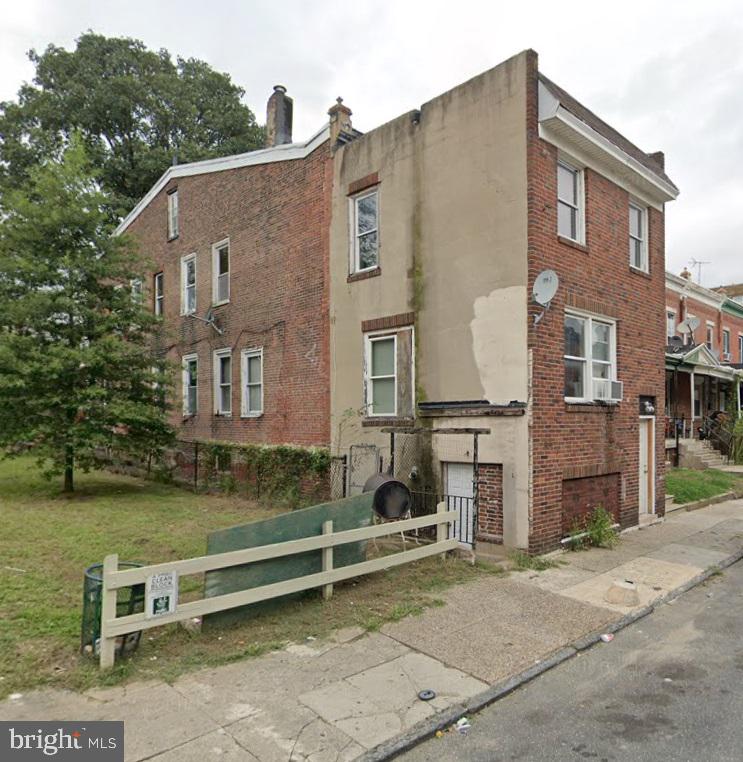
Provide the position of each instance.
(252, 382)
(223, 382)
(173, 214)
(188, 284)
(670, 325)
(158, 293)
(590, 358)
(726, 344)
(740, 348)
(221, 272)
(570, 202)
(189, 380)
(136, 288)
(638, 238)
(365, 212)
(388, 374)
(710, 342)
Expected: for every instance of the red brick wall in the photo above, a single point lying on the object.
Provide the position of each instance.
(276, 217)
(490, 508)
(581, 496)
(571, 441)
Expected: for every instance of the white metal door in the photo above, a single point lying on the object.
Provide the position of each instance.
(647, 466)
(459, 492)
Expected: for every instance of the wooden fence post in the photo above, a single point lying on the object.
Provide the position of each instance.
(108, 612)
(327, 559)
(442, 529)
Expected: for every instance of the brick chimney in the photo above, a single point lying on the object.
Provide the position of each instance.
(279, 118)
(340, 122)
(659, 158)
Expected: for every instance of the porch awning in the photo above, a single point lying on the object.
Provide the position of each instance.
(699, 359)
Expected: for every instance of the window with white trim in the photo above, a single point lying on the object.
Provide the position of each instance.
(570, 202)
(670, 325)
(158, 292)
(189, 380)
(188, 284)
(221, 272)
(252, 382)
(173, 214)
(726, 342)
(223, 382)
(365, 231)
(638, 237)
(381, 366)
(740, 348)
(590, 357)
(136, 289)
(710, 336)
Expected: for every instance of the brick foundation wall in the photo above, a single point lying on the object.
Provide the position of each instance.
(490, 508)
(581, 496)
(276, 217)
(571, 441)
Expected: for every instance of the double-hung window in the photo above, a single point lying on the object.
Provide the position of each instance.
(590, 358)
(188, 284)
(136, 288)
(173, 214)
(670, 325)
(189, 376)
(223, 382)
(381, 387)
(710, 342)
(726, 344)
(158, 293)
(252, 382)
(365, 231)
(570, 202)
(638, 237)
(740, 348)
(221, 272)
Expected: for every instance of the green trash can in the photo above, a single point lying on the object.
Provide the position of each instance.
(130, 600)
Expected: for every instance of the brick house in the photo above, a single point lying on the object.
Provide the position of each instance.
(442, 221)
(238, 248)
(704, 355)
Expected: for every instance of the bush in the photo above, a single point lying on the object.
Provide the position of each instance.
(596, 531)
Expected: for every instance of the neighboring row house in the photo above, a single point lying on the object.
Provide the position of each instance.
(335, 291)
(704, 354)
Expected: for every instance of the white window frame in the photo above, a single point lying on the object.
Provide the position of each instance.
(709, 340)
(740, 347)
(369, 340)
(589, 394)
(184, 287)
(135, 286)
(158, 293)
(245, 411)
(689, 337)
(670, 314)
(172, 214)
(216, 248)
(353, 205)
(219, 355)
(725, 341)
(185, 361)
(580, 223)
(645, 260)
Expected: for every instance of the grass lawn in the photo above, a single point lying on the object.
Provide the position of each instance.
(687, 485)
(49, 539)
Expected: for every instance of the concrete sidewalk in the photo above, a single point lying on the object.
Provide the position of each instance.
(356, 695)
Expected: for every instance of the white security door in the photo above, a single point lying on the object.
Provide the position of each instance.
(459, 496)
(647, 466)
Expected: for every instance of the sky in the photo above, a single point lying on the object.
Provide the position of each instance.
(668, 75)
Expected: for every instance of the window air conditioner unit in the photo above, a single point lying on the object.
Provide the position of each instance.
(726, 357)
(617, 391)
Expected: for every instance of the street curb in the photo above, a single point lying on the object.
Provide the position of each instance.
(697, 504)
(444, 719)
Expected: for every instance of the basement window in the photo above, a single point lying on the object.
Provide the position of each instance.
(590, 358)
(365, 244)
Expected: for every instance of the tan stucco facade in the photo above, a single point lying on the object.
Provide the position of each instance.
(452, 250)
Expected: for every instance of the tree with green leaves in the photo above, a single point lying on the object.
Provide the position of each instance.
(136, 110)
(77, 368)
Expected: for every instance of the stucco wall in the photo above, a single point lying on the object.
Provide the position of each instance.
(453, 238)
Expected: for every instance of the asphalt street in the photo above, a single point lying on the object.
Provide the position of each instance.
(669, 687)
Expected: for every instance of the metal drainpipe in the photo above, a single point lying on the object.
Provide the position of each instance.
(475, 492)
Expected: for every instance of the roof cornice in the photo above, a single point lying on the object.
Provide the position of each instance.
(287, 152)
(689, 288)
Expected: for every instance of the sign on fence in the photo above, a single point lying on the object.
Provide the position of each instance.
(162, 594)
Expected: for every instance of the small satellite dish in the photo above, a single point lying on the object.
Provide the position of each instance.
(694, 323)
(545, 287)
(683, 327)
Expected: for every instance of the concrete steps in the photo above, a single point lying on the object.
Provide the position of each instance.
(699, 454)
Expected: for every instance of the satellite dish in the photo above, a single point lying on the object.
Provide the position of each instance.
(694, 323)
(545, 287)
(683, 327)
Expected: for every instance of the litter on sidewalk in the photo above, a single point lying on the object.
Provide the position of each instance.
(607, 637)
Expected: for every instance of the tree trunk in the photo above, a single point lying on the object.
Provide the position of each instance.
(69, 467)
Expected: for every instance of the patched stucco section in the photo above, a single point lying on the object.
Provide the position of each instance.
(499, 344)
